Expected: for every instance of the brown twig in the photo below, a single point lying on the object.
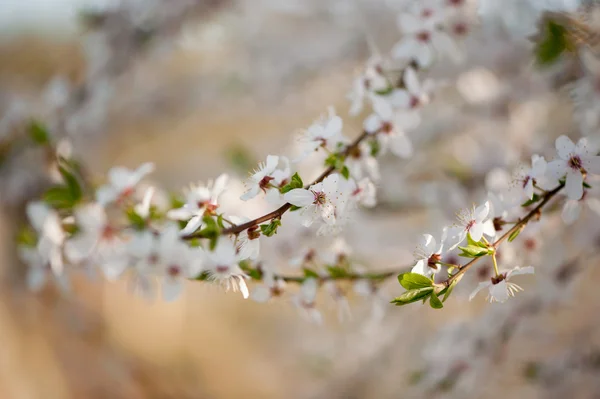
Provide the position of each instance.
(277, 213)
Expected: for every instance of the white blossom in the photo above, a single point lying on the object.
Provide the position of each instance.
(272, 287)
(428, 254)
(528, 177)
(500, 288)
(574, 161)
(474, 221)
(223, 266)
(200, 200)
(121, 183)
(261, 178)
(98, 242)
(324, 133)
(305, 301)
(390, 128)
(370, 81)
(572, 208)
(51, 235)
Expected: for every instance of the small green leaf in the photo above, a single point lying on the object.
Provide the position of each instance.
(473, 251)
(38, 133)
(271, 228)
(472, 242)
(135, 220)
(310, 273)
(337, 272)
(385, 92)
(536, 197)
(296, 182)
(220, 221)
(345, 172)
(27, 237)
(411, 281)
(413, 296)
(586, 185)
(375, 147)
(553, 43)
(59, 197)
(294, 208)
(515, 234)
(448, 290)
(72, 183)
(435, 302)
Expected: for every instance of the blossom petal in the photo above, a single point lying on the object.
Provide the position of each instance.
(594, 205)
(557, 168)
(421, 267)
(272, 162)
(411, 81)
(171, 289)
(481, 212)
(592, 164)
(400, 145)
(299, 197)
(480, 286)
(405, 48)
(564, 147)
(520, 270)
(192, 225)
(251, 193)
(408, 23)
(574, 184)
(499, 292)
(424, 56)
(261, 294)
(529, 189)
(476, 231)
(570, 211)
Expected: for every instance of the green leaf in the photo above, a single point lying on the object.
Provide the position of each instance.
(59, 197)
(271, 228)
(411, 281)
(135, 220)
(385, 92)
(310, 273)
(27, 237)
(337, 272)
(38, 133)
(536, 197)
(294, 208)
(296, 182)
(448, 290)
(220, 221)
(345, 172)
(413, 296)
(586, 185)
(375, 147)
(435, 302)
(473, 251)
(552, 45)
(515, 233)
(472, 242)
(72, 183)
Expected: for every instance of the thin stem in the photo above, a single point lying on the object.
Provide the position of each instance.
(520, 225)
(495, 262)
(277, 213)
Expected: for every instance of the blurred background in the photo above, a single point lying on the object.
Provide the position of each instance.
(202, 87)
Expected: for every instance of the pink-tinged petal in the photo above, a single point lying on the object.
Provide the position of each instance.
(424, 56)
(411, 81)
(520, 270)
(564, 147)
(444, 44)
(499, 292)
(183, 213)
(251, 193)
(421, 267)
(480, 286)
(593, 204)
(261, 294)
(192, 225)
(408, 23)
(482, 212)
(570, 211)
(272, 162)
(538, 165)
(120, 177)
(592, 164)
(476, 231)
(428, 243)
(529, 189)
(574, 184)
(372, 123)
(400, 145)
(80, 247)
(557, 168)
(488, 228)
(400, 98)
(171, 289)
(299, 197)
(406, 48)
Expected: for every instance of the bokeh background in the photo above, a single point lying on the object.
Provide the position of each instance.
(202, 87)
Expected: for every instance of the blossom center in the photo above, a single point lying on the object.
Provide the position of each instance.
(174, 271)
(456, 2)
(428, 12)
(222, 269)
(414, 102)
(434, 260)
(498, 279)
(424, 36)
(575, 162)
(460, 29)
(320, 198)
(470, 225)
(387, 127)
(265, 183)
(108, 233)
